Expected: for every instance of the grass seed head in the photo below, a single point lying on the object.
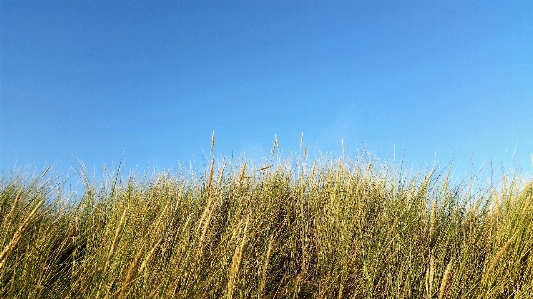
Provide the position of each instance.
(445, 279)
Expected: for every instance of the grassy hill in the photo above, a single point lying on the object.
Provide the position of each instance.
(324, 229)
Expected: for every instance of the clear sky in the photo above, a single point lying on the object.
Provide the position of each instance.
(148, 81)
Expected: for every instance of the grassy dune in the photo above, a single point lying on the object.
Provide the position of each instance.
(301, 229)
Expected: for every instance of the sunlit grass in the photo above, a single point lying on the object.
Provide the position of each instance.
(330, 228)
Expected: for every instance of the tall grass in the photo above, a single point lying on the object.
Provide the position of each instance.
(324, 229)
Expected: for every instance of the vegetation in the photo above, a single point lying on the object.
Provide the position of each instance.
(324, 229)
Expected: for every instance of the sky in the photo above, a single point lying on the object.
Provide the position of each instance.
(147, 82)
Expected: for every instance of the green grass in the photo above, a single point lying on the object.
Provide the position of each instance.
(324, 229)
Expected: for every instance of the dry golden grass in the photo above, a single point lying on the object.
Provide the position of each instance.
(331, 228)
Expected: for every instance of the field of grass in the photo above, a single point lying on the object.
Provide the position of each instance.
(331, 228)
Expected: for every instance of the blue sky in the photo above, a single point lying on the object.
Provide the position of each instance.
(148, 81)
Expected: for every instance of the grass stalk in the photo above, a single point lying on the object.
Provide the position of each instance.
(18, 235)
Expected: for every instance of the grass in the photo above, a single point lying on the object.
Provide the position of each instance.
(324, 229)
